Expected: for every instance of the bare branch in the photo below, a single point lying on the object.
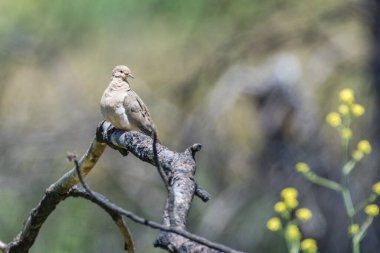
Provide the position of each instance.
(141, 146)
(202, 193)
(53, 196)
(157, 162)
(116, 211)
(108, 206)
(118, 219)
(180, 169)
(126, 233)
(80, 191)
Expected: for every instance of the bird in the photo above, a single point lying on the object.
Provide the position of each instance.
(122, 107)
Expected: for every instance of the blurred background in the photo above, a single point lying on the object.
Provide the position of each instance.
(250, 80)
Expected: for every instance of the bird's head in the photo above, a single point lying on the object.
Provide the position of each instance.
(122, 71)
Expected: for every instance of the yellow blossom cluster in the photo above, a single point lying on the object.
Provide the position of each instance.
(289, 202)
(289, 197)
(362, 148)
(347, 96)
(357, 110)
(280, 207)
(376, 188)
(274, 224)
(290, 216)
(333, 119)
(347, 108)
(302, 168)
(292, 232)
(341, 119)
(353, 229)
(309, 246)
(303, 214)
(372, 210)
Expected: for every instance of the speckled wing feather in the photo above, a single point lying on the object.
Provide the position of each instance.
(138, 113)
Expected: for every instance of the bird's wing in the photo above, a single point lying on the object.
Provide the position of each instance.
(138, 113)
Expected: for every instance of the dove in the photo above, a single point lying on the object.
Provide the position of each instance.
(125, 110)
(122, 107)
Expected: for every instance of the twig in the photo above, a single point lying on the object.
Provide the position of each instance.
(53, 196)
(80, 191)
(124, 230)
(202, 193)
(73, 158)
(164, 177)
(112, 208)
(128, 241)
(104, 203)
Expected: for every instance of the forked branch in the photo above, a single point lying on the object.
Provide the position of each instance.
(179, 169)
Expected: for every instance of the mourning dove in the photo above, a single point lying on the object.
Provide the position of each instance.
(122, 107)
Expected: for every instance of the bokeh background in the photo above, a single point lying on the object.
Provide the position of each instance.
(250, 80)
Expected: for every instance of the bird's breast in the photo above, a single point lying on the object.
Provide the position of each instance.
(112, 109)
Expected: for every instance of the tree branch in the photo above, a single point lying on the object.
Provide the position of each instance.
(157, 162)
(116, 217)
(141, 146)
(53, 196)
(108, 206)
(179, 169)
(78, 191)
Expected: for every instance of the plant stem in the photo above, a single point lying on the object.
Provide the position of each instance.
(355, 245)
(366, 202)
(359, 236)
(348, 167)
(348, 204)
(293, 247)
(311, 176)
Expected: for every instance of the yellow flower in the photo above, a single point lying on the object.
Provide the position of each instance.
(357, 110)
(302, 167)
(289, 193)
(333, 119)
(346, 133)
(304, 214)
(347, 96)
(309, 246)
(292, 232)
(274, 224)
(291, 203)
(376, 188)
(372, 210)
(280, 207)
(365, 147)
(353, 229)
(344, 109)
(357, 155)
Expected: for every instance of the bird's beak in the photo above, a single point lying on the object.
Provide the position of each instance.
(130, 75)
